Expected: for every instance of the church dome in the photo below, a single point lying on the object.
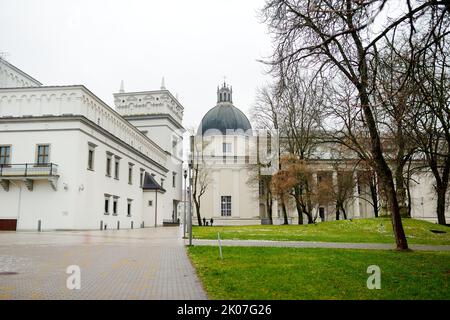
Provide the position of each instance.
(224, 118)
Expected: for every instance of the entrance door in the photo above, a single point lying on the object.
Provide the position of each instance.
(322, 213)
(8, 224)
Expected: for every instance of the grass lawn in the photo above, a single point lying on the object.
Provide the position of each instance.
(297, 273)
(358, 230)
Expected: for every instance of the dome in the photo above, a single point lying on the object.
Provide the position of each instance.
(224, 118)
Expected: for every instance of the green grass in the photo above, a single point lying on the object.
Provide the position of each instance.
(358, 230)
(292, 273)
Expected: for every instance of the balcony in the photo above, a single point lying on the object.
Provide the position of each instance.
(28, 173)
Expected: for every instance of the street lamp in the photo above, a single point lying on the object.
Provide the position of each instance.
(185, 199)
(190, 166)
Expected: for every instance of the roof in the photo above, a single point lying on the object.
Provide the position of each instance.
(104, 104)
(151, 184)
(224, 119)
(24, 74)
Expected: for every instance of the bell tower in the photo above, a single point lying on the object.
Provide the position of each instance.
(224, 94)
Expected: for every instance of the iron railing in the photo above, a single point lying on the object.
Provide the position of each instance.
(28, 169)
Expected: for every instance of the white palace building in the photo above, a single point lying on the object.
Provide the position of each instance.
(68, 161)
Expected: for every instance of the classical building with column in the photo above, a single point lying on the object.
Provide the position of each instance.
(69, 161)
(227, 155)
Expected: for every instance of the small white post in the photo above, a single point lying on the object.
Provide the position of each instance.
(220, 245)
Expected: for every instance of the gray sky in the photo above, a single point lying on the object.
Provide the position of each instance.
(193, 44)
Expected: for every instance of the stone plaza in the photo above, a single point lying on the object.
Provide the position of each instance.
(148, 263)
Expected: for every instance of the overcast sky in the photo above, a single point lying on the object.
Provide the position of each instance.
(193, 44)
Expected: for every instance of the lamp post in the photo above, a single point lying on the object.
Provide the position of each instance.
(185, 199)
(156, 207)
(191, 161)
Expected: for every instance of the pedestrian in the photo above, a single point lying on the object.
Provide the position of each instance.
(212, 220)
(204, 221)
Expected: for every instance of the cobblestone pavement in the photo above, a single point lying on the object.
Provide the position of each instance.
(117, 264)
(313, 244)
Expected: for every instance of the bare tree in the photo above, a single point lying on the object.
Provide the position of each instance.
(340, 189)
(300, 100)
(264, 182)
(335, 37)
(430, 120)
(265, 114)
(391, 98)
(281, 186)
(201, 180)
(201, 172)
(295, 179)
(368, 177)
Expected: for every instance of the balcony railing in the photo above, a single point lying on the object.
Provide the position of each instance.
(28, 170)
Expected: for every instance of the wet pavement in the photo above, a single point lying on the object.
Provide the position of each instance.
(146, 263)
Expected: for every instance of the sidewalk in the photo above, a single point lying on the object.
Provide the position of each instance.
(314, 244)
(138, 264)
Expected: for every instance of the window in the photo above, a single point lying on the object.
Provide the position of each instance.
(162, 183)
(43, 153)
(116, 168)
(226, 206)
(108, 164)
(129, 201)
(91, 149)
(226, 147)
(150, 203)
(107, 204)
(115, 203)
(174, 179)
(5, 154)
(91, 159)
(130, 173)
(174, 146)
(141, 177)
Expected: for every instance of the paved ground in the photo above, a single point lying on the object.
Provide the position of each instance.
(117, 264)
(312, 244)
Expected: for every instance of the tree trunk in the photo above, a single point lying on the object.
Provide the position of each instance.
(197, 210)
(400, 189)
(269, 207)
(298, 206)
(337, 212)
(409, 203)
(309, 216)
(344, 213)
(397, 226)
(374, 195)
(285, 217)
(441, 191)
(299, 211)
